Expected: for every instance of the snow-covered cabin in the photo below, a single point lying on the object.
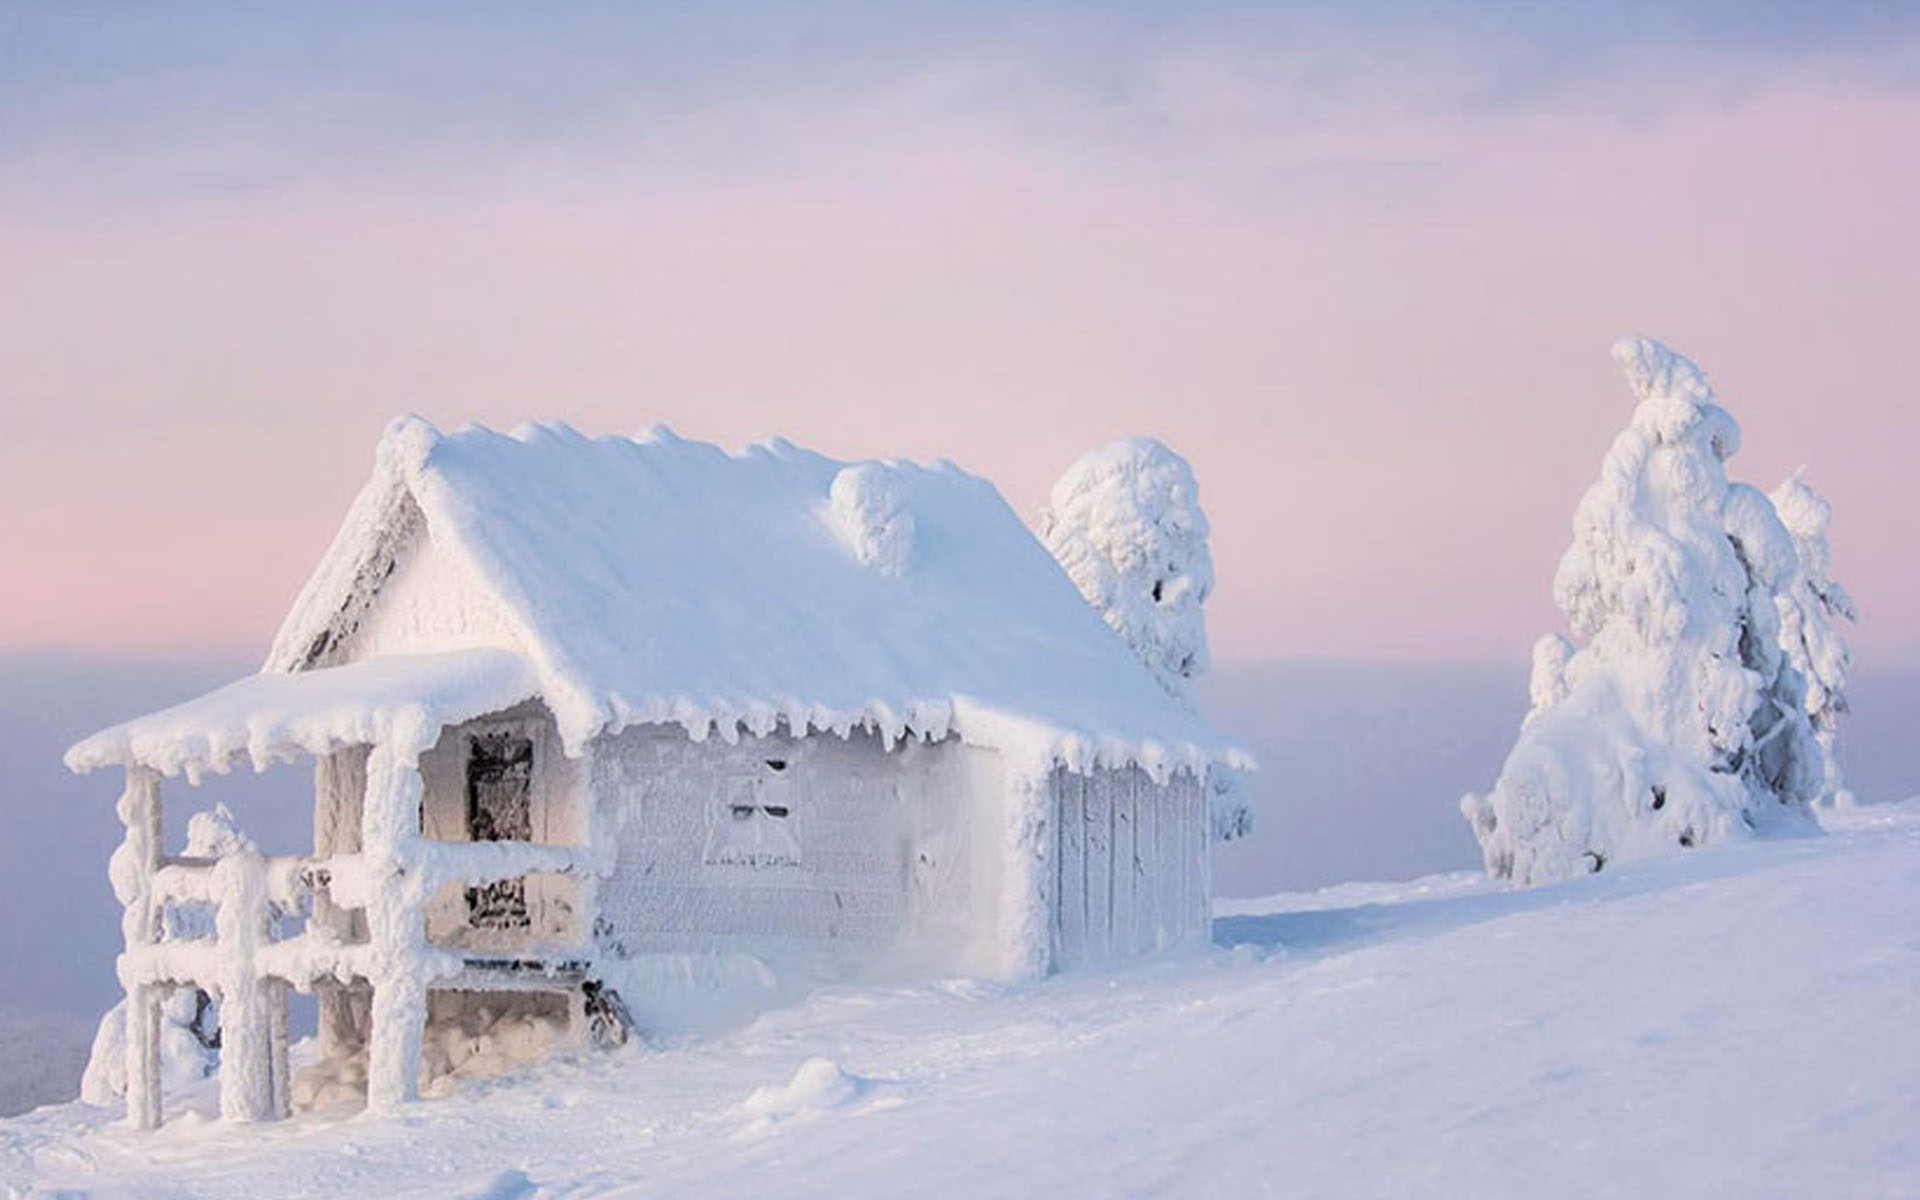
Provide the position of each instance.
(580, 707)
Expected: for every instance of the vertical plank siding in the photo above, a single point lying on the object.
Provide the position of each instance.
(1150, 900)
(1098, 815)
(1132, 874)
(1070, 890)
(1126, 866)
(1200, 917)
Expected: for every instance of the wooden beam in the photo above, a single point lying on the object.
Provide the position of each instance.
(132, 871)
(397, 928)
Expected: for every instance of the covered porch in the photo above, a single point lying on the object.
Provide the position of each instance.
(352, 921)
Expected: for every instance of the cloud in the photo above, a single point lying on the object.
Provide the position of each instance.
(132, 104)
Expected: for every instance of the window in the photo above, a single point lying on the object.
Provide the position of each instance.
(499, 809)
(753, 824)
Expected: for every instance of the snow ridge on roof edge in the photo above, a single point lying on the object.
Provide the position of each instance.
(398, 700)
(270, 734)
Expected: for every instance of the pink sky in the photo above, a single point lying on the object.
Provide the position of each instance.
(1379, 331)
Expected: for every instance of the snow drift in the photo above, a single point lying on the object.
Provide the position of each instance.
(189, 1048)
(1734, 1027)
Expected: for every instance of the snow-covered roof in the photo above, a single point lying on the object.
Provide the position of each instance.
(269, 718)
(653, 579)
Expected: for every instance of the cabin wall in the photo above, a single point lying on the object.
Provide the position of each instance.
(339, 797)
(817, 852)
(1132, 868)
(339, 794)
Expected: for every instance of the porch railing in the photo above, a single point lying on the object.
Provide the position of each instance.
(251, 970)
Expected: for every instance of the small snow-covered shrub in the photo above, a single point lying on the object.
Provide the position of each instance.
(1673, 718)
(1811, 606)
(1125, 521)
(189, 1047)
(1228, 813)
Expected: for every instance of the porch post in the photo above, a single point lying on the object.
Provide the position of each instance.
(339, 797)
(246, 1049)
(396, 927)
(282, 1091)
(131, 871)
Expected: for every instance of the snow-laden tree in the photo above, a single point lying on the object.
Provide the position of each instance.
(1125, 522)
(1673, 718)
(1811, 608)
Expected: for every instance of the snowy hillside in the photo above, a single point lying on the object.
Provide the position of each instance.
(1734, 1022)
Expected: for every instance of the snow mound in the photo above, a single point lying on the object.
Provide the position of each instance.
(188, 1048)
(869, 507)
(819, 1085)
(511, 1184)
(486, 1042)
(669, 994)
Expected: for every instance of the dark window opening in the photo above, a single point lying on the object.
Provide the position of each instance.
(753, 822)
(499, 809)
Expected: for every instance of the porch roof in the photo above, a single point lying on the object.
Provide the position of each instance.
(394, 699)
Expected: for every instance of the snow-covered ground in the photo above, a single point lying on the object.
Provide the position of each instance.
(1742, 1021)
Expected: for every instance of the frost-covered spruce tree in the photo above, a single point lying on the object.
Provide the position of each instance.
(1673, 718)
(1125, 522)
(1810, 608)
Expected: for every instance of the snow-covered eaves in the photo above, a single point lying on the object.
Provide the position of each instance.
(400, 700)
(653, 579)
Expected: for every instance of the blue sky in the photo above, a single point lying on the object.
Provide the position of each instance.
(350, 81)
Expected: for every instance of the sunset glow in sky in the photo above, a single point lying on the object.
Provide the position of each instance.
(1363, 270)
